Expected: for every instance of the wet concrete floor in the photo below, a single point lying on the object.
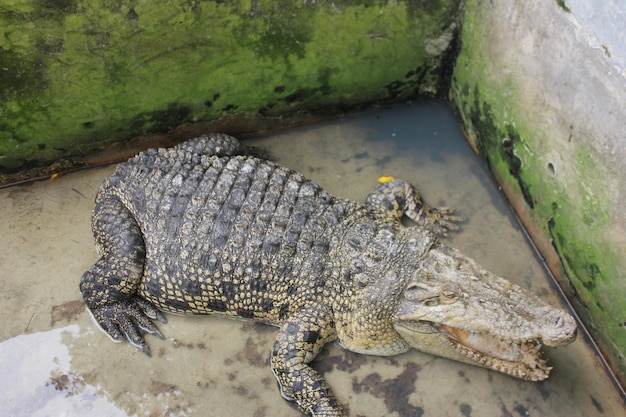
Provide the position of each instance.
(55, 362)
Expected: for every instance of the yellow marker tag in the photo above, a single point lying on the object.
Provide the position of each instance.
(385, 179)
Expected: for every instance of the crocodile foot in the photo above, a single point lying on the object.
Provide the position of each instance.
(439, 220)
(130, 320)
(399, 198)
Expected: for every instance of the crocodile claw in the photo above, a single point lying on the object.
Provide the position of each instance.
(398, 197)
(151, 311)
(443, 220)
(129, 320)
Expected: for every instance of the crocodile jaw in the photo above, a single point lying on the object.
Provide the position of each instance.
(453, 307)
(519, 359)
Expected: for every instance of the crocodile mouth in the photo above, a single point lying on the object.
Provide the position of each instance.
(519, 359)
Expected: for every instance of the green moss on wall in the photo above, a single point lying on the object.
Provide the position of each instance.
(572, 206)
(563, 6)
(79, 75)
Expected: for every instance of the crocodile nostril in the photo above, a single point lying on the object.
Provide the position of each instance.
(559, 322)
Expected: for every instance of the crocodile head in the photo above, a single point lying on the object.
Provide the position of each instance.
(452, 307)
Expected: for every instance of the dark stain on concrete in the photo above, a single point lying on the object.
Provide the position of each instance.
(395, 392)
(466, 410)
(66, 312)
(345, 361)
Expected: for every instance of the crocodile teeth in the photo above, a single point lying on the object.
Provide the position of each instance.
(518, 359)
(485, 344)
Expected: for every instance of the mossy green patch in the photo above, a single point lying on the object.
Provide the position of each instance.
(593, 205)
(497, 145)
(578, 227)
(82, 74)
(562, 5)
(572, 204)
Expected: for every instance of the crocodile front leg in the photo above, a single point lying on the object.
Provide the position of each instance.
(300, 339)
(399, 197)
(109, 287)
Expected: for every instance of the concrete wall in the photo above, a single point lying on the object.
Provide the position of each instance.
(77, 76)
(541, 89)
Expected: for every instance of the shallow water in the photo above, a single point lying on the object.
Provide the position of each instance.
(55, 362)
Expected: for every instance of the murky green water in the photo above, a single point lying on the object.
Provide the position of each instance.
(54, 361)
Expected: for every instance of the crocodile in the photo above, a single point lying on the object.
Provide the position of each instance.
(202, 228)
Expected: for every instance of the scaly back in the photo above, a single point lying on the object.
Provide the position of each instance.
(229, 234)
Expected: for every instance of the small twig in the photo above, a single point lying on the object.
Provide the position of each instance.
(79, 193)
(29, 321)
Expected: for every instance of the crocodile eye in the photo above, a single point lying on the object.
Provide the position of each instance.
(450, 295)
(432, 302)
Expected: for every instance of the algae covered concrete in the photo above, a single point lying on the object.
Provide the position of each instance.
(541, 89)
(76, 76)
